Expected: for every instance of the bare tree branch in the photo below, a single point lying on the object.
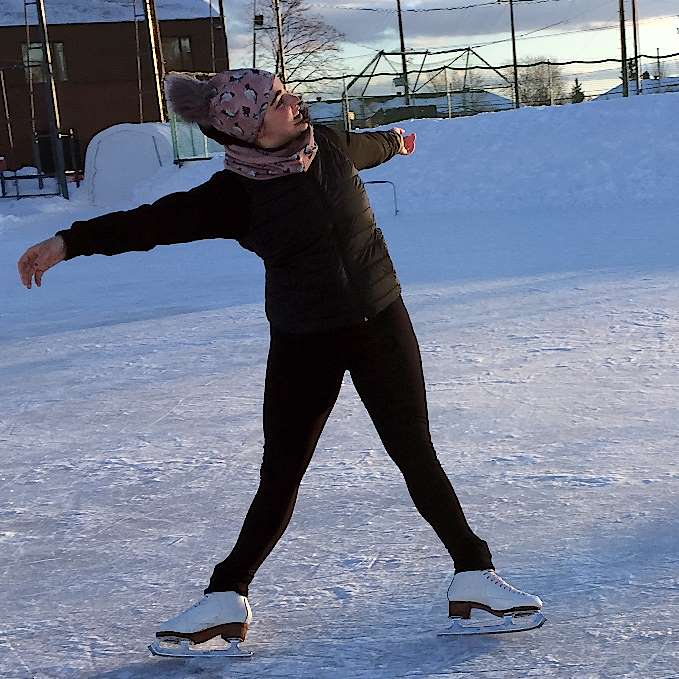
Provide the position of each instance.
(308, 42)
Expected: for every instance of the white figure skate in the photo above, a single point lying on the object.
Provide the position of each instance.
(218, 614)
(487, 592)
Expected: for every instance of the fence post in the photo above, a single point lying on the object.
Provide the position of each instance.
(347, 115)
(450, 103)
(623, 51)
(517, 98)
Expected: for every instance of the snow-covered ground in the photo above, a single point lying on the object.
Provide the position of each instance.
(539, 254)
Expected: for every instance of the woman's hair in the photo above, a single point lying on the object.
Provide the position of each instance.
(221, 137)
(189, 97)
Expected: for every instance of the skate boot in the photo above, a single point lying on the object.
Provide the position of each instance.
(217, 614)
(488, 593)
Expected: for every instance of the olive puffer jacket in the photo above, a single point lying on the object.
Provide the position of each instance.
(326, 262)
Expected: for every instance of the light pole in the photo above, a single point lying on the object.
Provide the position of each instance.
(222, 19)
(517, 102)
(623, 51)
(635, 21)
(279, 27)
(255, 23)
(406, 89)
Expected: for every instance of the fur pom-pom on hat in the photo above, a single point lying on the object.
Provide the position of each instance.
(189, 97)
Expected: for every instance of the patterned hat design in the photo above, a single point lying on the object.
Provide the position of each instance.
(241, 100)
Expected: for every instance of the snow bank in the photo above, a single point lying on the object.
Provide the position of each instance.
(589, 155)
(586, 155)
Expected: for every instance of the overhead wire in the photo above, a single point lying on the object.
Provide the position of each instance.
(422, 10)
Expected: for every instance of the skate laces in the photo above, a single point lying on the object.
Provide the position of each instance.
(200, 602)
(497, 580)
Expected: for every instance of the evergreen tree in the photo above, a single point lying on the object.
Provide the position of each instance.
(577, 95)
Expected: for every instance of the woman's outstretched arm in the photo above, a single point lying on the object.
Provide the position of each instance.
(214, 209)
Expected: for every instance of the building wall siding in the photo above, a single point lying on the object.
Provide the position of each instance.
(101, 89)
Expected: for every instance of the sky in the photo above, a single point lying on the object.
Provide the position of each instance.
(559, 29)
(562, 30)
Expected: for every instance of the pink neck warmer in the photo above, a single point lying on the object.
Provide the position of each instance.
(257, 163)
(237, 108)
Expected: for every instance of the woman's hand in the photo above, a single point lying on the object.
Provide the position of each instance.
(407, 142)
(39, 258)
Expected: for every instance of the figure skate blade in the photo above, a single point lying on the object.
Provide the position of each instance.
(175, 647)
(518, 622)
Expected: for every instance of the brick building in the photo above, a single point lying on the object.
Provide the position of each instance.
(96, 64)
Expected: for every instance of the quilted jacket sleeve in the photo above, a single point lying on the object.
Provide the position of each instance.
(367, 149)
(214, 209)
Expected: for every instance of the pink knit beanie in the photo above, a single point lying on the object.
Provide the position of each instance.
(233, 102)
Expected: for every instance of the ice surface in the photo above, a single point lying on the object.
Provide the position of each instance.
(539, 254)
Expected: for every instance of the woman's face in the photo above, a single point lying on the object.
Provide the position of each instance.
(284, 120)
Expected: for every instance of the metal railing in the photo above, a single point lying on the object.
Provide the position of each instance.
(16, 185)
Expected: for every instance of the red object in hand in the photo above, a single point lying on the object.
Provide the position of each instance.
(408, 146)
(409, 143)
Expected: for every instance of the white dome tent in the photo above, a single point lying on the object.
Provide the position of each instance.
(119, 157)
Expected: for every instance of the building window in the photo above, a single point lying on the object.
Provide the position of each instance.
(32, 58)
(177, 54)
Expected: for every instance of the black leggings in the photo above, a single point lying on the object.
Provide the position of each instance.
(303, 379)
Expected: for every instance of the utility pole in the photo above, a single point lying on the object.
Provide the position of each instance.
(406, 89)
(279, 26)
(635, 21)
(222, 19)
(52, 102)
(156, 56)
(517, 101)
(623, 51)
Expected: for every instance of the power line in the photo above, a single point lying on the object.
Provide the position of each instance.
(421, 10)
(530, 36)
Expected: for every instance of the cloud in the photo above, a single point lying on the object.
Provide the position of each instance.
(359, 26)
(444, 29)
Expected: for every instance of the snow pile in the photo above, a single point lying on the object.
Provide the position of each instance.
(586, 155)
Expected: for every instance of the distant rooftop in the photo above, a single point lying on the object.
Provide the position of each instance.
(651, 86)
(93, 11)
(472, 101)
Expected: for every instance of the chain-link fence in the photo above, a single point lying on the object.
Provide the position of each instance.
(446, 90)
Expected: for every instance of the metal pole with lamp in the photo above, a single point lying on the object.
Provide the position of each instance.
(517, 101)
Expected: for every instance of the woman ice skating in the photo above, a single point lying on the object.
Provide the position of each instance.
(291, 193)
